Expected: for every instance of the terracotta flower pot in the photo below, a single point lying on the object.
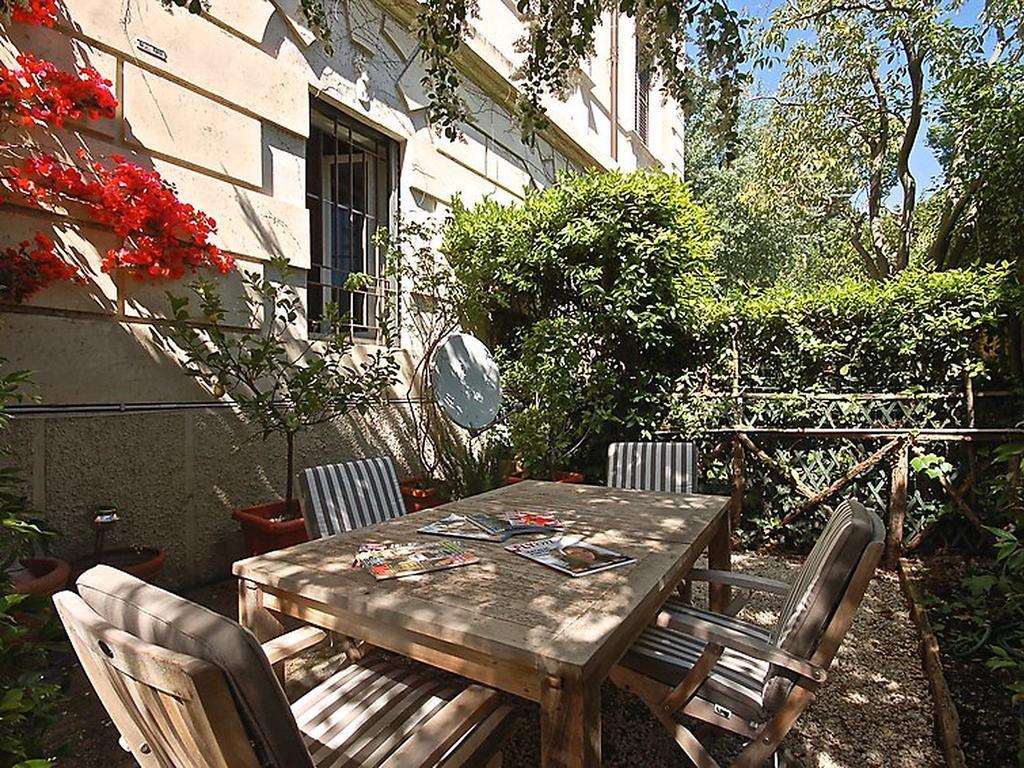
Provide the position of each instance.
(557, 475)
(419, 493)
(271, 526)
(145, 563)
(43, 576)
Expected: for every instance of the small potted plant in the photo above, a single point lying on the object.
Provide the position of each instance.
(283, 385)
(428, 307)
(546, 391)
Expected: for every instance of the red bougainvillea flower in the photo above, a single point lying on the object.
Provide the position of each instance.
(163, 238)
(39, 92)
(39, 12)
(30, 267)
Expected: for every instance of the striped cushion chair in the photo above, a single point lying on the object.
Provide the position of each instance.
(343, 497)
(667, 467)
(746, 679)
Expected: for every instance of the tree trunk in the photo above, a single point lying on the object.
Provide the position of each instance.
(915, 69)
(290, 439)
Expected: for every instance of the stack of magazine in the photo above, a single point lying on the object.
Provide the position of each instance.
(390, 561)
(571, 554)
(492, 527)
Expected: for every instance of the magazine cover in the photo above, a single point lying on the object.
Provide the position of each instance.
(460, 527)
(492, 527)
(571, 555)
(517, 522)
(390, 561)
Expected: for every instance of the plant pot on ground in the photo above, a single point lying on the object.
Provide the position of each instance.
(145, 563)
(271, 526)
(282, 385)
(140, 561)
(555, 475)
(419, 493)
(41, 576)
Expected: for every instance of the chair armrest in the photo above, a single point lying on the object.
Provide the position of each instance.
(737, 641)
(741, 580)
(290, 643)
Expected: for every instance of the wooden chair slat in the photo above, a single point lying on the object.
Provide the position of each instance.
(336, 727)
(350, 679)
(444, 728)
(483, 739)
(379, 737)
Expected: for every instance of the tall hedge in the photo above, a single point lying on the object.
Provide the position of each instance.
(600, 297)
(587, 290)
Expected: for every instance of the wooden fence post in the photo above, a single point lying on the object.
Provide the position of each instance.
(897, 506)
(739, 483)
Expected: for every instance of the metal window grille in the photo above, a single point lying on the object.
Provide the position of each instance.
(349, 194)
(643, 97)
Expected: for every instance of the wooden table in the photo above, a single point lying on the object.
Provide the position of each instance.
(506, 622)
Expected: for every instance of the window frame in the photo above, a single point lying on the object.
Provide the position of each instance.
(324, 281)
(642, 99)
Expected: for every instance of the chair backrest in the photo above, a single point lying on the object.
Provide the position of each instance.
(669, 467)
(159, 620)
(171, 709)
(343, 497)
(826, 592)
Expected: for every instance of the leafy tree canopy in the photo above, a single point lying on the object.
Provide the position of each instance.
(859, 82)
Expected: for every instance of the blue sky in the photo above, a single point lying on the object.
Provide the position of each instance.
(922, 161)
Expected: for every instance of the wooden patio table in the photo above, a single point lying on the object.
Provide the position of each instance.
(507, 622)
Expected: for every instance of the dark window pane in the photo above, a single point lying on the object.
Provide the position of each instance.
(348, 193)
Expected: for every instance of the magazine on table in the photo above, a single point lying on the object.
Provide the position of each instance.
(390, 561)
(492, 527)
(571, 554)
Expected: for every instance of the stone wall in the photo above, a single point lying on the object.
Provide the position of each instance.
(175, 476)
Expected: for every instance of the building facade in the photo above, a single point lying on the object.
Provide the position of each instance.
(296, 154)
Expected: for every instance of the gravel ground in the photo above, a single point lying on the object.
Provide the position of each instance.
(874, 710)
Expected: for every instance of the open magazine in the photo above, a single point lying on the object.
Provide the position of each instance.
(492, 527)
(390, 561)
(571, 554)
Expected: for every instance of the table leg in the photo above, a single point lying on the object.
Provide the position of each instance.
(570, 723)
(719, 560)
(257, 619)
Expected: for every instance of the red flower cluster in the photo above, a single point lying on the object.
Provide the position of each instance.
(39, 12)
(26, 269)
(40, 92)
(163, 237)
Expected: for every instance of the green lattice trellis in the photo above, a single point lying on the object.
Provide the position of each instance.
(819, 460)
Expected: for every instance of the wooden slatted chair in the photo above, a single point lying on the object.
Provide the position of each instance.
(189, 688)
(744, 679)
(669, 467)
(343, 497)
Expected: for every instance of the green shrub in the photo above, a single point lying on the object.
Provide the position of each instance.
(29, 632)
(588, 290)
(600, 298)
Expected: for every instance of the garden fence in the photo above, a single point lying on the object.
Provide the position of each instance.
(925, 459)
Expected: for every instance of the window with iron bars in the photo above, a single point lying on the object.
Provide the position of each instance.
(643, 96)
(350, 182)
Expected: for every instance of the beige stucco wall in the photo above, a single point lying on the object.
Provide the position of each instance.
(224, 116)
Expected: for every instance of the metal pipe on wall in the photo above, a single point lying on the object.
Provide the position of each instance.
(613, 108)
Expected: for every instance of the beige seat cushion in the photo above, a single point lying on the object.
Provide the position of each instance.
(159, 617)
(819, 588)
